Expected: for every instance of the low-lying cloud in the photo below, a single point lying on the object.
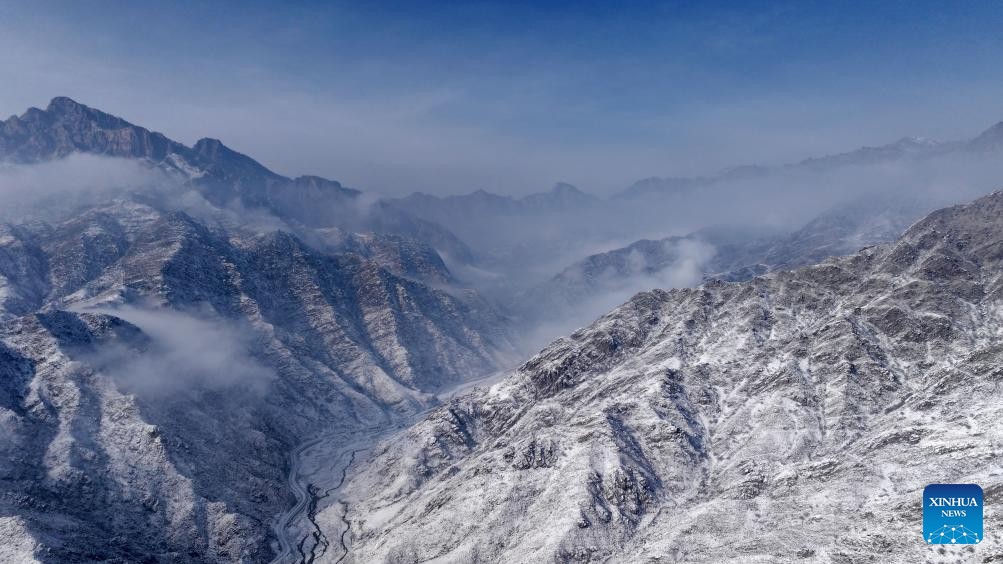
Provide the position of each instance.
(185, 352)
(671, 264)
(43, 190)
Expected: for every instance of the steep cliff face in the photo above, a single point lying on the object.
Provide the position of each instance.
(793, 416)
(66, 127)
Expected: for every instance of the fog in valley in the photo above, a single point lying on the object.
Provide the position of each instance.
(350, 282)
(539, 259)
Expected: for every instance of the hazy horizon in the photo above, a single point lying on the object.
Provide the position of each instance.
(512, 98)
(757, 355)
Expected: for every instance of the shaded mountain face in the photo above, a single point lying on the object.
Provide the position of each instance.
(156, 373)
(694, 424)
(409, 258)
(66, 127)
(223, 176)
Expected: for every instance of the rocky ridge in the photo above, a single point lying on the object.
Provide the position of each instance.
(773, 420)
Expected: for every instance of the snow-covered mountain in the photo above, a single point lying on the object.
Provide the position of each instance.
(195, 360)
(339, 341)
(161, 356)
(796, 416)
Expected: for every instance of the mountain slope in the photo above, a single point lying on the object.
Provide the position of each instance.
(212, 354)
(129, 252)
(772, 420)
(93, 472)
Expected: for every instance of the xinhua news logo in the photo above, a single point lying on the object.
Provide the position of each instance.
(952, 514)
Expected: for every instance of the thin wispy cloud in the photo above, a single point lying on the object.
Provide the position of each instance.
(185, 353)
(54, 187)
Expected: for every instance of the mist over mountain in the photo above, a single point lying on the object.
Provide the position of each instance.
(558, 259)
(222, 176)
(586, 289)
(488, 283)
(248, 338)
(182, 311)
(694, 424)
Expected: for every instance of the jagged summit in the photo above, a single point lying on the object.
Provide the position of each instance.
(64, 104)
(208, 146)
(67, 126)
(214, 151)
(221, 174)
(561, 196)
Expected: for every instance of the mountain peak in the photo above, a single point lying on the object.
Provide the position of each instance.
(214, 151)
(67, 126)
(565, 188)
(209, 146)
(562, 194)
(61, 104)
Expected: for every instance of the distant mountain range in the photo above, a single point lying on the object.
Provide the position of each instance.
(527, 241)
(565, 195)
(561, 197)
(905, 149)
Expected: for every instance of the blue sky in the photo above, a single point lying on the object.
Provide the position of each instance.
(515, 96)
